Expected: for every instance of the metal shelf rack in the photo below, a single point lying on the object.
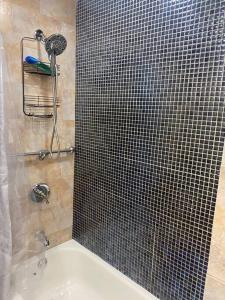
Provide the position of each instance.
(38, 106)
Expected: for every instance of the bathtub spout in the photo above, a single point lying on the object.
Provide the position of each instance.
(41, 237)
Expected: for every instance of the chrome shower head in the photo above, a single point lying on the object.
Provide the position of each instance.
(55, 44)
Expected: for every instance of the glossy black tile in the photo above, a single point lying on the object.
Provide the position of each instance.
(149, 137)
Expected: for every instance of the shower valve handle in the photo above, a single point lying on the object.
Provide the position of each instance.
(40, 192)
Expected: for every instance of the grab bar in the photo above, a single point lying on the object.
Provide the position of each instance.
(42, 154)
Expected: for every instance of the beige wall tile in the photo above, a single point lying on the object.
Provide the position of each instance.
(5, 17)
(215, 289)
(20, 18)
(58, 9)
(215, 284)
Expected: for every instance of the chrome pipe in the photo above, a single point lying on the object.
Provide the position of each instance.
(42, 154)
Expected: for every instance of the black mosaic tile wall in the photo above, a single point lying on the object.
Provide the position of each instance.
(149, 137)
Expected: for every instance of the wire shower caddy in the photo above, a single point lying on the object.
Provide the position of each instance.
(39, 106)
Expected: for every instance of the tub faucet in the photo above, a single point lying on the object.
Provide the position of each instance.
(41, 237)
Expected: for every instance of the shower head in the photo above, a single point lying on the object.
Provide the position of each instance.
(55, 44)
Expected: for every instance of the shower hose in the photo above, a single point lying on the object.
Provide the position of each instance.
(55, 134)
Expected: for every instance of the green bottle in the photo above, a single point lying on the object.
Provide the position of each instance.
(40, 65)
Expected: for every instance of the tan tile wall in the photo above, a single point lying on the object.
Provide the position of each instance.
(215, 283)
(20, 18)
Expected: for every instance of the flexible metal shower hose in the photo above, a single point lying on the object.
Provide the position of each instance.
(55, 114)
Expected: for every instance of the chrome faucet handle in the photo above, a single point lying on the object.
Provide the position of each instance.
(40, 192)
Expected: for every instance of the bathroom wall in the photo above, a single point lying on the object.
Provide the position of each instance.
(149, 117)
(19, 18)
(215, 283)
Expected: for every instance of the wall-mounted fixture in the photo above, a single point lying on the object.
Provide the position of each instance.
(40, 192)
(40, 106)
(42, 238)
(43, 154)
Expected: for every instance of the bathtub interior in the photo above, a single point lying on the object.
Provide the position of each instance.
(73, 272)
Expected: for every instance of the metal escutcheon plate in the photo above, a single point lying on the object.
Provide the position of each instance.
(40, 192)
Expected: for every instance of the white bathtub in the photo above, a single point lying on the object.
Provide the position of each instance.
(75, 273)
